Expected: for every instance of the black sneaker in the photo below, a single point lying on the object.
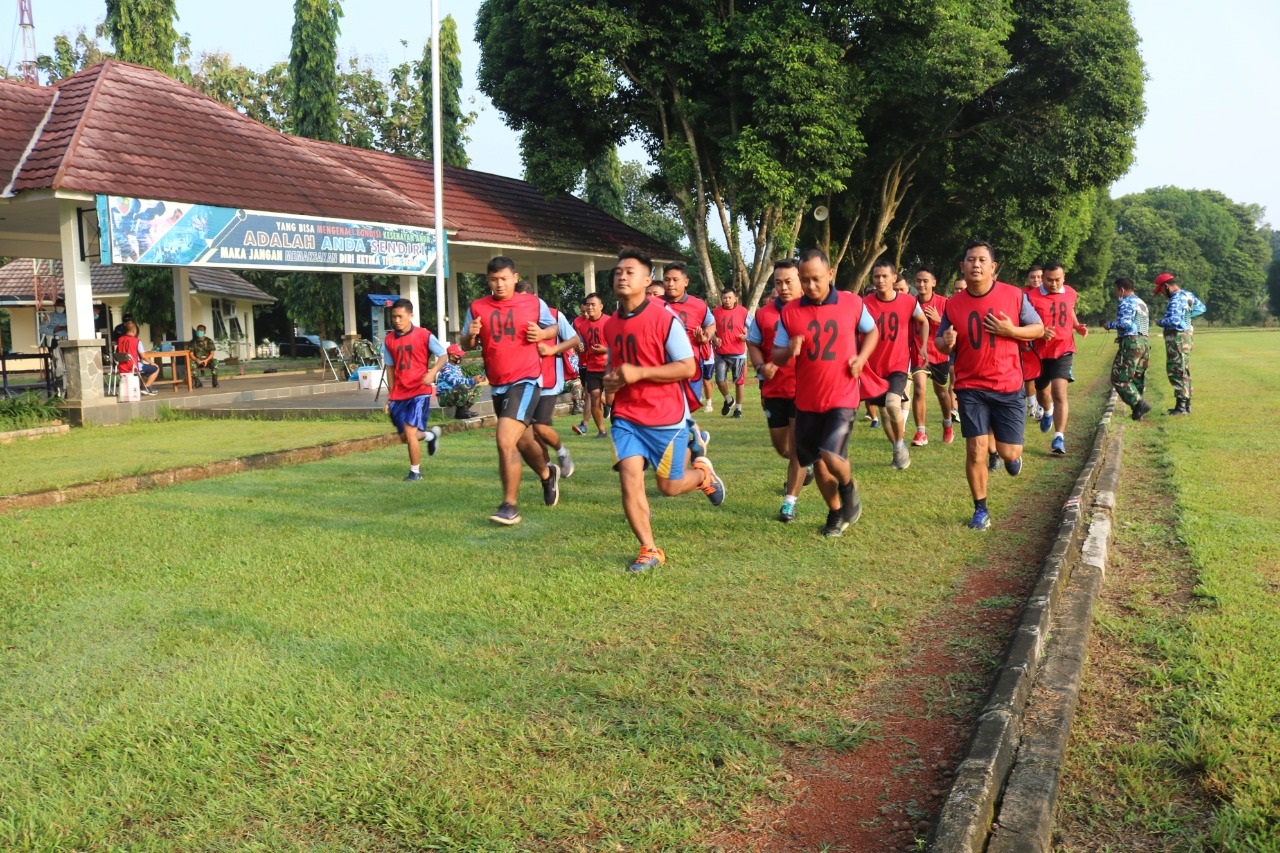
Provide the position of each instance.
(808, 474)
(836, 524)
(412, 477)
(737, 413)
(551, 485)
(507, 514)
(850, 504)
(727, 407)
(433, 440)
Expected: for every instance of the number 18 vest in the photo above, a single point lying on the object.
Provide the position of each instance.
(830, 342)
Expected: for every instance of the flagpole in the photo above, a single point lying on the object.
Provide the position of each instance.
(437, 163)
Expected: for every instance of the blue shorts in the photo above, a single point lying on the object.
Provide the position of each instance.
(983, 412)
(663, 448)
(412, 412)
(519, 402)
(708, 370)
(145, 369)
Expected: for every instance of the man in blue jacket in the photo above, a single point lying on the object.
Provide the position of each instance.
(1129, 370)
(1176, 322)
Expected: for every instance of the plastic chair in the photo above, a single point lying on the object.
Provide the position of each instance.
(334, 359)
(113, 373)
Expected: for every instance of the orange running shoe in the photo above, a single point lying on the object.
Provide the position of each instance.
(650, 558)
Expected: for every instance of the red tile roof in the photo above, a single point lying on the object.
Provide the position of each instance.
(17, 282)
(124, 129)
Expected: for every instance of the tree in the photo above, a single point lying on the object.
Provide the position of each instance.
(71, 54)
(603, 186)
(1273, 287)
(143, 32)
(313, 70)
(454, 121)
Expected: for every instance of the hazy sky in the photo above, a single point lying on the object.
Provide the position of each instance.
(1211, 116)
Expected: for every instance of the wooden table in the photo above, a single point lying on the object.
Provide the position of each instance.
(175, 354)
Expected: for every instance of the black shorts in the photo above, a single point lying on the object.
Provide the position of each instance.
(897, 385)
(519, 402)
(818, 431)
(1054, 368)
(592, 380)
(708, 370)
(779, 412)
(940, 373)
(982, 412)
(545, 413)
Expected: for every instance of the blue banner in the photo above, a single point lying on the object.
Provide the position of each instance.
(175, 234)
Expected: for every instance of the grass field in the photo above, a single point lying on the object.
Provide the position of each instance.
(324, 657)
(1197, 629)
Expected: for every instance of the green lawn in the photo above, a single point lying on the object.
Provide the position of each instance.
(324, 657)
(102, 453)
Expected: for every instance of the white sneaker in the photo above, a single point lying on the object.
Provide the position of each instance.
(707, 407)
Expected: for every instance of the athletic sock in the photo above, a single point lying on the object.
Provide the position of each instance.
(946, 422)
(922, 427)
(738, 407)
(789, 499)
(562, 451)
(902, 442)
(1059, 435)
(417, 469)
(980, 503)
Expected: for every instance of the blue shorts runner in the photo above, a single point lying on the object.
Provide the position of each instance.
(411, 412)
(664, 448)
(519, 402)
(983, 412)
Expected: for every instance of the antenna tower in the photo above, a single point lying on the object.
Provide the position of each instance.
(29, 71)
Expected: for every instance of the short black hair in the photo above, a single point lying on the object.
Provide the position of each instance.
(885, 262)
(1035, 268)
(1053, 266)
(929, 269)
(403, 304)
(678, 266)
(498, 263)
(814, 255)
(980, 244)
(591, 296)
(523, 286)
(725, 290)
(634, 254)
(786, 264)
(1124, 283)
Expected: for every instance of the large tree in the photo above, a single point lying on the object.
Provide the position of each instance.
(143, 31)
(454, 119)
(313, 70)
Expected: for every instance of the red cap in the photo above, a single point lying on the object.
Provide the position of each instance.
(454, 349)
(1161, 280)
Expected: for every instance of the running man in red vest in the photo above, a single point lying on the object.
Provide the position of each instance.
(650, 360)
(508, 326)
(931, 363)
(407, 352)
(900, 322)
(1035, 277)
(552, 385)
(1055, 301)
(730, 344)
(593, 353)
(698, 322)
(984, 325)
(818, 332)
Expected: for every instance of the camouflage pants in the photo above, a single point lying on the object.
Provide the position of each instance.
(458, 397)
(1177, 350)
(1129, 370)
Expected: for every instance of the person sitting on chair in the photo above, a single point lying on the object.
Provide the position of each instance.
(129, 345)
(202, 356)
(454, 388)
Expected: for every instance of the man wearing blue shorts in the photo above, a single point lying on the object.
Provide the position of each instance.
(406, 352)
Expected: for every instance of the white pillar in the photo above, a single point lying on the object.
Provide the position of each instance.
(455, 316)
(75, 273)
(182, 318)
(588, 276)
(349, 332)
(409, 290)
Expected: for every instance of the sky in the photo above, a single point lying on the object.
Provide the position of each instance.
(1213, 76)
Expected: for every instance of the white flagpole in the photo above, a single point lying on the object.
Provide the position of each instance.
(437, 163)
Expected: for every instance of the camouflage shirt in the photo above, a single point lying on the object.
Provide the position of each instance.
(202, 348)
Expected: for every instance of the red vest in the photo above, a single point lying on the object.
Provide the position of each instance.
(128, 345)
(893, 318)
(641, 338)
(411, 356)
(692, 311)
(783, 383)
(549, 371)
(983, 360)
(508, 356)
(592, 334)
(939, 304)
(731, 329)
(830, 343)
(1058, 312)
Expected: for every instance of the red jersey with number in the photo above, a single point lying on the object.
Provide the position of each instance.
(640, 338)
(939, 304)
(508, 356)
(411, 357)
(130, 346)
(731, 330)
(783, 383)
(592, 334)
(893, 318)
(984, 360)
(830, 331)
(1058, 312)
(692, 311)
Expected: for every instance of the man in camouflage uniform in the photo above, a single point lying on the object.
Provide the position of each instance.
(1129, 370)
(1176, 322)
(202, 356)
(454, 389)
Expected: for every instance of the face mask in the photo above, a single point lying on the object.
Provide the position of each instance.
(199, 334)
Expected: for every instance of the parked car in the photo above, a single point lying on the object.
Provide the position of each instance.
(307, 346)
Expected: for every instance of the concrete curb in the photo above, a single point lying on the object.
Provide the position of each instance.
(34, 432)
(970, 808)
(221, 468)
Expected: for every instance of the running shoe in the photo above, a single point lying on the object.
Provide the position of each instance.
(850, 504)
(875, 423)
(901, 457)
(955, 416)
(551, 485)
(1058, 446)
(602, 434)
(1015, 467)
(708, 407)
(146, 392)
(699, 441)
(948, 434)
(507, 514)
(726, 408)
(608, 411)
(981, 520)
(737, 413)
(650, 558)
(1046, 421)
(566, 462)
(1141, 409)
(921, 438)
(835, 525)
(580, 429)
(412, 477)
(808, 474)
(788, 512)
(433, 441)
(712, 486)
(994, 462)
